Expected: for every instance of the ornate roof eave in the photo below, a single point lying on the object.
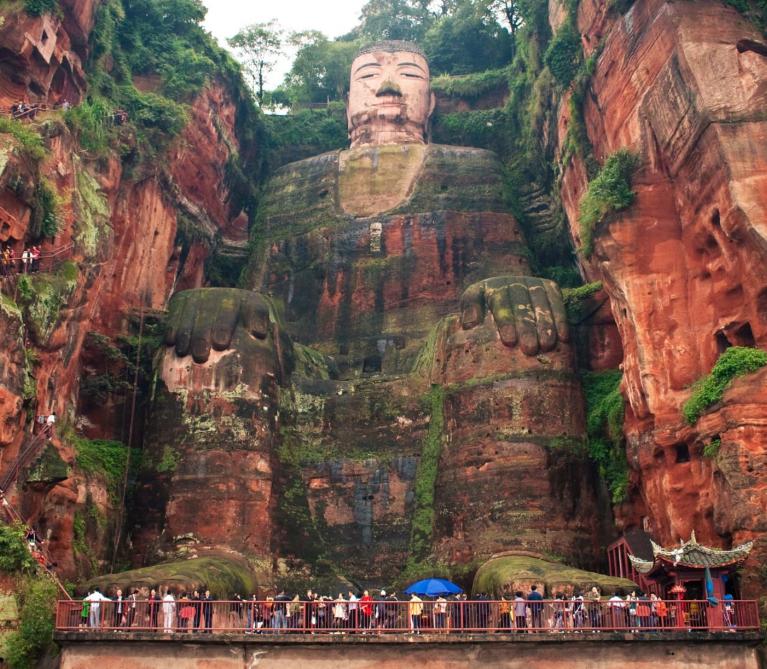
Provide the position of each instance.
(642, 566)
(704, 556)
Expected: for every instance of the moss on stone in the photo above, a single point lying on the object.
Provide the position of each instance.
(577, 300)
(93, 212)
(520, 571)
(48, 468)
(426, 478)
(223, 574)
(43, 295)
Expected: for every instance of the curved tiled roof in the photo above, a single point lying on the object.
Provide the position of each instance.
(692, 554)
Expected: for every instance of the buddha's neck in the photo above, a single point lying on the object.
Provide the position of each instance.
(365, 135)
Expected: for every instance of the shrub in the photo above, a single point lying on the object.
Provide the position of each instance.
(44, 221)
(14, 554)
(471, 85)
(38, 7)
(31, 142)
(90, 122)
(36, 622)
(608, 192)
(734, 362)
(711, 449)
(564, 54)
(605, 411)
(102, 457)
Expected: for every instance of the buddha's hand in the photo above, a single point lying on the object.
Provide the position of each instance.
(527, 311)
(208, 318)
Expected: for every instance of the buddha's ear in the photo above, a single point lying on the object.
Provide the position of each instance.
(432, 103)
(348, 112)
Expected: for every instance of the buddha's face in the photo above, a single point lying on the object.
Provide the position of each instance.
(390, 99)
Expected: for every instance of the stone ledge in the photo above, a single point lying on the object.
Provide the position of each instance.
(745, 637)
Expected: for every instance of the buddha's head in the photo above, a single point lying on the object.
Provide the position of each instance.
(390, 98)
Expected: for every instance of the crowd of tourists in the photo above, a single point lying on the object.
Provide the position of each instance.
(26, 263)
(365, 613)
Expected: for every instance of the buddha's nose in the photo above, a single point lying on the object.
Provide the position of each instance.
(388, 87)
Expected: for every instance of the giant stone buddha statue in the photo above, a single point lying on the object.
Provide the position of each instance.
(379, 273)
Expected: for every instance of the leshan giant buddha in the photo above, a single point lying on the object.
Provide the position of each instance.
(423, 374)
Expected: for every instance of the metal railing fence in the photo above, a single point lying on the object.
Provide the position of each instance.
(183, 616)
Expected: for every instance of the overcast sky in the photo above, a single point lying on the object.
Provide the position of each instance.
(226, 17)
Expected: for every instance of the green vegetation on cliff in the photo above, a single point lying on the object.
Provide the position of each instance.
(14, 555)
(425, 480)
(754, 10)
(38, 7)
(37, 603)
(36, 597)
(104, 458)
(43, 296)
(734, 362)
(30, 141)
(605, 410)
(608, 192)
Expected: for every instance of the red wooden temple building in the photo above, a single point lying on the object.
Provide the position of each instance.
(678, 570)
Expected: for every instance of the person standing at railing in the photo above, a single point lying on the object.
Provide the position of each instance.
(392, 610)
(536, 607)
(415, 608)
(579, 614)
(340, 614)
(728, 613)
(197, 609)
(353, 610)
(617, 610)
(118, 611)
(26, 260)
(207, 611)
(279, 612)
(132, 599)
(366, 610)
(154, 608)
(594, 597)
(168, 612)
(643, 610)
(520, 612)
(94, 616)
(440, 613)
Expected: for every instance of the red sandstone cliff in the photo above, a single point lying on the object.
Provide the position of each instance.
(681, 84)
(119, 238)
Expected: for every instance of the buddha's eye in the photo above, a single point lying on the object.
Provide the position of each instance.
(412, 75)
(369, 76)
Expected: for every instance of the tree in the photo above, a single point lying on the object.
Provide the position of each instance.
(468, 40)
(258, 46)
(395, 19)
(320, 71)
(512, 11)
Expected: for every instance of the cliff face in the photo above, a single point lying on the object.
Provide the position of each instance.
(683, 85)
(117, 251)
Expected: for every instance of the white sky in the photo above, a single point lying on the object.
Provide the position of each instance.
(226, 17)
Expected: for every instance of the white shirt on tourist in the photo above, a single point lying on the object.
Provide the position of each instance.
(94, 598)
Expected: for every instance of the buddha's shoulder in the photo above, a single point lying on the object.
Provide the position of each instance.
(460, 160)
(323, 162)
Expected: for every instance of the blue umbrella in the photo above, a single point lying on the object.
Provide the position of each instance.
(433, 587)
